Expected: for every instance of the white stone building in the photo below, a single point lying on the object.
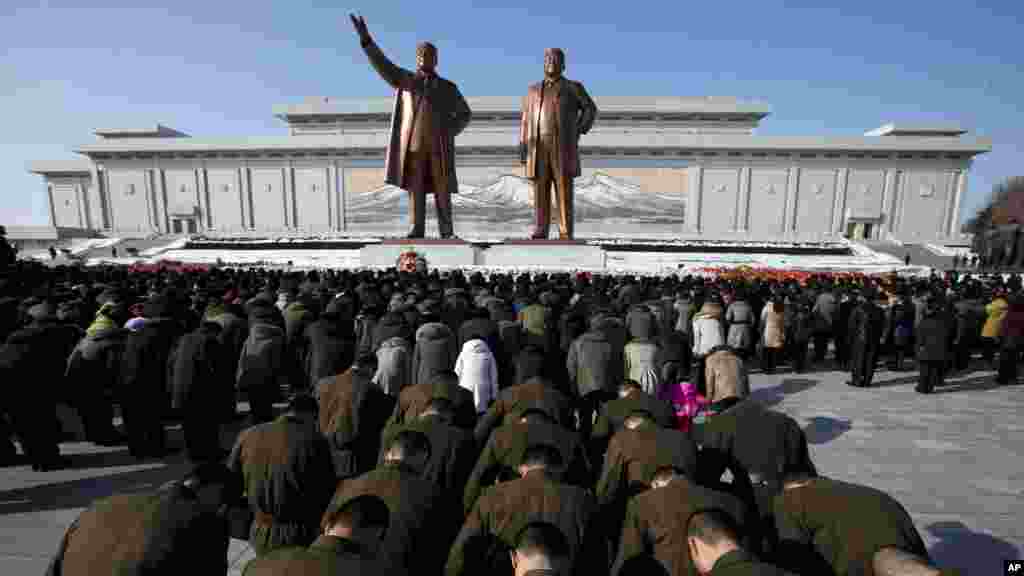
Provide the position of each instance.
(652, 168)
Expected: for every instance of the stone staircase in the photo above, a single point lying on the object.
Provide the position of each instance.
(132, 248)
(919, 254)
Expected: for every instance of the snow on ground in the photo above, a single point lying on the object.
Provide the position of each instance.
(636, 262)
(861, 257)
(157, 250)
(79, 246)
(949, 251)
(863, 251)
(332, 258)
(631, 261)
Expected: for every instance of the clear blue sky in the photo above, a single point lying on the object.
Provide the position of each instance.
(215, 67)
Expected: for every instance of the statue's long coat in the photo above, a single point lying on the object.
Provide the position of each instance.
(576, 114)
(451, 115)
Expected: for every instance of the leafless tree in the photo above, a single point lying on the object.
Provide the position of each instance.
(1005, 205)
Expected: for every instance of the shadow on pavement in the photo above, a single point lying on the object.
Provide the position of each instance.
(901, 381)
(113, 459)
(824, 429)
(975, 553)
(978, 383)
(776, 394)
(80, 493)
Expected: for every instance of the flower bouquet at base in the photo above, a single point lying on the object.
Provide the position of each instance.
(411, 261)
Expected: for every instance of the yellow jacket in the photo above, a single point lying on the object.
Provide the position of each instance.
(996, 312)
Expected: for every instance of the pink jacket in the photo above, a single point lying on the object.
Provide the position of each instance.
(685, 400)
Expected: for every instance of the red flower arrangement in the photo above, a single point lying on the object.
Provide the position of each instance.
(411, 261)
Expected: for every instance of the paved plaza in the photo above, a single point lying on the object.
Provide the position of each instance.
(955, 459)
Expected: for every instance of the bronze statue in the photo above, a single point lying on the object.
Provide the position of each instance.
(429, 113)
(556, 112)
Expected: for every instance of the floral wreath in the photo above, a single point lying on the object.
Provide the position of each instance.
(409, 261)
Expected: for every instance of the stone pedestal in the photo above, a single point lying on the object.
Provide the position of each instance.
(440, 253)
(555, 254)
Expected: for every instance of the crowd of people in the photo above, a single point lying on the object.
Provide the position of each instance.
(468, 423)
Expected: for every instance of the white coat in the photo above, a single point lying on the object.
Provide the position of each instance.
(478, 373)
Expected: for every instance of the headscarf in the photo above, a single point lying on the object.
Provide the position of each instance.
(104, 320)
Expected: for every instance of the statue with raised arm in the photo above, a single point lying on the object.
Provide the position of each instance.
(429, 113)
(556, 112)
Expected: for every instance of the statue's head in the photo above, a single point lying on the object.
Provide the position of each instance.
(426, 57)
(554, 62)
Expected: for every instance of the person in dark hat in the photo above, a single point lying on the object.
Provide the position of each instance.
(34, 359)
(864, 335)
(932, 346)
(202, 390)
(145, 388)
(330, 343)
(435, 349)
(261, 369)
(179, 528)
(93, 371)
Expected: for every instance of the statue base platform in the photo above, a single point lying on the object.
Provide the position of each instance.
(439, 252)
(554, 254)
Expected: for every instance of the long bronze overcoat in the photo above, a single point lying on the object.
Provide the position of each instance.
(451, 115)
(576, 114)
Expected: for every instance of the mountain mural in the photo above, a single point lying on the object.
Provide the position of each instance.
(509, 200)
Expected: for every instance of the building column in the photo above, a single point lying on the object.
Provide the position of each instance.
(792, 201)
(743, 210)
(149, 190)
(959, 189)
(97, 214)
(696, 191)
(286, 193)
(108, 201)
(49, 195)
(842, 177)
(341, 192)
(240, 188)
(82, 197)
(204, 209)
(248, 216)
(164, 216)
(890, 200)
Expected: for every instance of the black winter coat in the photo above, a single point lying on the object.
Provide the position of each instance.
(391, 325)
(453, 452)
(145, 364)
(234, 331)
(435, 352)
(202, 386)
(330, 350)
(95, 364)
(34, 360)
(165, 532)
(933, 337)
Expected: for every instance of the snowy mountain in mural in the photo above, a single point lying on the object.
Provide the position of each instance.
(509, 199)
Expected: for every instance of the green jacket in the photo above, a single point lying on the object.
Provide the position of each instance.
(327, 555)
(741, 563)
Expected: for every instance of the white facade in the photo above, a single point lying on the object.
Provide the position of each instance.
(653, 168)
